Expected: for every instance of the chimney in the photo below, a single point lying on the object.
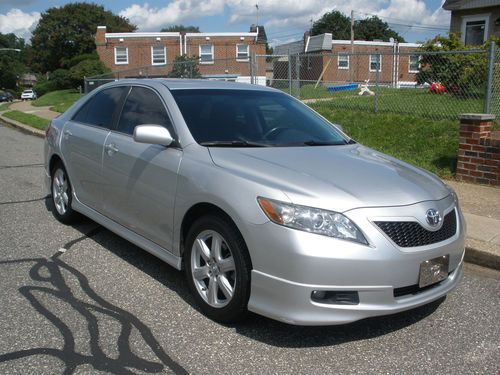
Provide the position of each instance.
(100, 36)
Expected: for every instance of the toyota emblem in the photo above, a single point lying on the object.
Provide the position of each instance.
(433, 217)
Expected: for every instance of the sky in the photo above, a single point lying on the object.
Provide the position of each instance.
(284, 20)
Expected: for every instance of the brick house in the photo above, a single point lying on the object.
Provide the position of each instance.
(392, 63)
(222, 55)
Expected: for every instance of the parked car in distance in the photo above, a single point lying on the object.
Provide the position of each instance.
(6, 96)
(266, 205)
(28, 95)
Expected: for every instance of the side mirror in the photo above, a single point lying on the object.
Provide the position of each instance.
(153, 134)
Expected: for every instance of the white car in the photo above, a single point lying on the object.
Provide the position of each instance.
(28, 95)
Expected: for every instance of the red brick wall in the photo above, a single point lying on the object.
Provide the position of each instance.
(478, 150)
(225, 54)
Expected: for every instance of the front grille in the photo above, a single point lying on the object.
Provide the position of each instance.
(412, 234)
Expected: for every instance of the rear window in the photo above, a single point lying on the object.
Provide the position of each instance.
(99, 110)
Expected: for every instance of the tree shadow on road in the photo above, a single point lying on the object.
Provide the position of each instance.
(51, 273)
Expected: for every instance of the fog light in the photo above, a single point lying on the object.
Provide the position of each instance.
(341, 297)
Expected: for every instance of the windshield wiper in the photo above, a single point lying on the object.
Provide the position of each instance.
(236, 143)
(312, 142)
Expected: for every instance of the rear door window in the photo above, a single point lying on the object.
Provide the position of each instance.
(99, 110)
(143, 106)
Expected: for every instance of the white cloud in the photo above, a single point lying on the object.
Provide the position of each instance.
(20, 23)
(282, 16)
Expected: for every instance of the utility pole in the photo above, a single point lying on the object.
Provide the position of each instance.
(351, 66)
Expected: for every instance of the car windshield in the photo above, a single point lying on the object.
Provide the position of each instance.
(251, 118)
(27, 91)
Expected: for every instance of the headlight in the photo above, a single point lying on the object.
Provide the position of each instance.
(309, 219)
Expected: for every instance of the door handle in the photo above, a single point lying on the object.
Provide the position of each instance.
(111, 149)
(67, 134)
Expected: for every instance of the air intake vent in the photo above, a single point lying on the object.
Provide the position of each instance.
(412, 234)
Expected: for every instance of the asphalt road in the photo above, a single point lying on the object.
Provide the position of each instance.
(104, 305)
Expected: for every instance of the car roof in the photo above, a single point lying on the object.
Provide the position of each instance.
(191, 84)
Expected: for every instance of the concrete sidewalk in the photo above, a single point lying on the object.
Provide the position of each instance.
(480, 206)
(28, 107)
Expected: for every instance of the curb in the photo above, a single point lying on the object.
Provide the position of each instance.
(482, 258)
(22, 127)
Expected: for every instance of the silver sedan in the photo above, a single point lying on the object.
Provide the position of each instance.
(267, 206)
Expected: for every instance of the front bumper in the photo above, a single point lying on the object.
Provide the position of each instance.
(290, 264)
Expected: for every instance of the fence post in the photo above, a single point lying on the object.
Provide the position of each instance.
(489, 82)
(377, 75)
(289, 74)
(251, 66)
(297, 75)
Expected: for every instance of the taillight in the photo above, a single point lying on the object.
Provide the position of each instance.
(48, 129)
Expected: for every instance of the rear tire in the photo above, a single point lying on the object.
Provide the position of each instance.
(62, 195)
(218, 268)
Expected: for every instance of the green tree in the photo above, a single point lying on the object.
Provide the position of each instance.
(12, 63)
(460, 73)
(334, 22)
(185, 67)
(67, 31)
(374, 28)
(181, 28)
(86, 68)
(339, 25)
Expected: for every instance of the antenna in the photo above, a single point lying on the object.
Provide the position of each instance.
(257, 9)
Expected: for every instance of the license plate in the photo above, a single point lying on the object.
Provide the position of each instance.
(433, 270)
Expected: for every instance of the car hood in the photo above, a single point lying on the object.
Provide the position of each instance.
(337, 178)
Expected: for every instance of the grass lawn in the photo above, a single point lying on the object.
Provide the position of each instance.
(28, 119)
(4, 106)
(406, 101)
(432, 145)
(58, 101)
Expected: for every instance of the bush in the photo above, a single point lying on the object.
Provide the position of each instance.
(86, 68)
(185, 67)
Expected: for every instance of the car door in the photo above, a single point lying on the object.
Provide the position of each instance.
(83, 141)
(142, 178)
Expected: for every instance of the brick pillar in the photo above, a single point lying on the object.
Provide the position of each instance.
(478, 150)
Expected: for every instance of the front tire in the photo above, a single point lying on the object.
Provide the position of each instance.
(62, 195)
(218, 268)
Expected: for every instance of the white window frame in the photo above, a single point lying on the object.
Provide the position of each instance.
(338, 61)
(379, 64)
(409, 63)
(477, 17)
(211, 53)
(247, 53)
(164, 55)
(126, 53)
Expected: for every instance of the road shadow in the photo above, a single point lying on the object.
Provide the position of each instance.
(50, 288)
(257, 327)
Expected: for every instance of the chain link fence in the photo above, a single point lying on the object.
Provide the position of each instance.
(436, 85)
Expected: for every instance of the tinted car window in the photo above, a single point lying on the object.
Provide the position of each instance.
(100, 109)
(143, 106)
(268, 118)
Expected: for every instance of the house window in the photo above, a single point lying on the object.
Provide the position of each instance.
(375, 63)
(242, 52)
(158, 55)
(414, 64)
(343, 61)
(206, 53)
(475, 29)
(121, 55)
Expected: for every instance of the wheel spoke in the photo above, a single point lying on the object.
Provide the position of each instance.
(212, 291)
(202, 249)
(216, 246)
(226, 264)
(65, 198)
(225, 286)
(200, 273)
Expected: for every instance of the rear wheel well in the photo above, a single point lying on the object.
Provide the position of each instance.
(54, 160)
